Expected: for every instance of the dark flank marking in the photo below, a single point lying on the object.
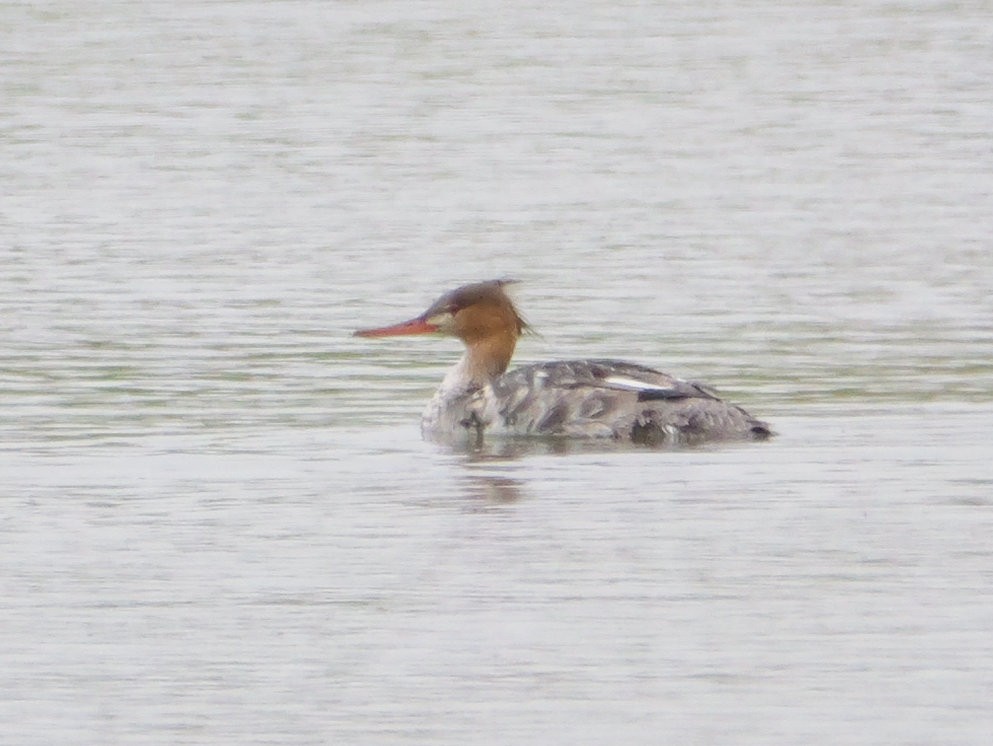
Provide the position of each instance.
(646, 432)
(657, 394)
(594, 407)
(555, 417)
(472, 421)
(761, 431)
(598, 371)
(523, 404)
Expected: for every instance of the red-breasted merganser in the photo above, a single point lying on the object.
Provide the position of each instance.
(568, 398)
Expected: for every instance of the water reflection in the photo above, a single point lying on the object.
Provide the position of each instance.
(484, 489)
(497, 471)
(517, 448)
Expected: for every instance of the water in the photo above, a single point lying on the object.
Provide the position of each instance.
(218, 523)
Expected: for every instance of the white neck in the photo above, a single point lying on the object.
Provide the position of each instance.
(445, 409)
(459, 378)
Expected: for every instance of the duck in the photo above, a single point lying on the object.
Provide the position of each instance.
(595, 398)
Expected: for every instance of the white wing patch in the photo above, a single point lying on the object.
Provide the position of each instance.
(633, 384)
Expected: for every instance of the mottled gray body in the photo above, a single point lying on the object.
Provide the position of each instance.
(568, 399)
(588, 399)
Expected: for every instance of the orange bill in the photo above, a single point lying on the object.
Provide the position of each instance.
(414, 326)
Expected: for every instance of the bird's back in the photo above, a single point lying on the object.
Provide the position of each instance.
(608, 399)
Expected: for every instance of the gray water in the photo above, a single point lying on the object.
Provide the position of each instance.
(218, 522)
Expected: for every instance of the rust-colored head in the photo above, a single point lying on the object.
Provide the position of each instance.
(480, 314)
(471, 312)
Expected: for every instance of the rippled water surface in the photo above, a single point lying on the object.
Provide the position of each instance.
(218, 522)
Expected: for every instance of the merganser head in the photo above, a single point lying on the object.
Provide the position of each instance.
(481, 315)
(472, 313)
